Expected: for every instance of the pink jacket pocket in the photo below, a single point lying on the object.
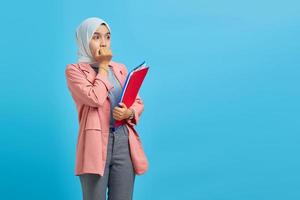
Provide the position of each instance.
(93, 121)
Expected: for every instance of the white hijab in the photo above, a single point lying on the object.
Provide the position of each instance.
(84, 33)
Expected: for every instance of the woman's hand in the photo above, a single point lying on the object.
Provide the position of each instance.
(103, 56)
(122, 112)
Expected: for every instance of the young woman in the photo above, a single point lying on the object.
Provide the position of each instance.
(107, 157)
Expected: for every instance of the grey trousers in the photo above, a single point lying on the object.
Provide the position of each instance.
(118, 175)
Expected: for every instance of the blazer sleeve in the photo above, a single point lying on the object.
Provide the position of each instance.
(138, 105)
(91, 94)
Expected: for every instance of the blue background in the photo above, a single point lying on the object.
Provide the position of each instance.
(221, 118)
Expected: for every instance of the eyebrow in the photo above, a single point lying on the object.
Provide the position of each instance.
(97, 33)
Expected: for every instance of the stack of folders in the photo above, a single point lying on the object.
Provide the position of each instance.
(132, 86)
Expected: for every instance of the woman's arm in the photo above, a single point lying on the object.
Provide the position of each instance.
(89, 94)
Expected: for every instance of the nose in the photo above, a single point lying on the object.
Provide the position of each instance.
(102, 42)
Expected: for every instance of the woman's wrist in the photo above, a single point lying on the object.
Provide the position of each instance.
(131, 116)
(103, 66)
(103, 69)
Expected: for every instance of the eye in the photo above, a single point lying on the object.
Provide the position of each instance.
(108, 37)
(96, 37)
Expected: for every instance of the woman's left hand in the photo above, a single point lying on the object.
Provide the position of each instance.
(121, 112)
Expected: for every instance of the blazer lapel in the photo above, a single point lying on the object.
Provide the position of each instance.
(88, 71)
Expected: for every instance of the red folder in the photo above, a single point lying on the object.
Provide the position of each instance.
(131, 87)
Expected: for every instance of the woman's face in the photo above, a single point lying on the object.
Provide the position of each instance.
(101, 38)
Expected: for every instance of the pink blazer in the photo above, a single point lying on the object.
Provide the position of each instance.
(89, 90)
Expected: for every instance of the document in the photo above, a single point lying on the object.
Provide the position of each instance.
(132, 86)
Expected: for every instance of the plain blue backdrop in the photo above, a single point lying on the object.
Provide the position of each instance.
(222, 113)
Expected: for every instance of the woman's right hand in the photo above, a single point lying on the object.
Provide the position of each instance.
(103, 56)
